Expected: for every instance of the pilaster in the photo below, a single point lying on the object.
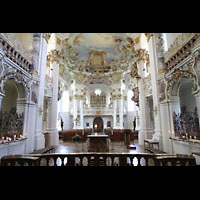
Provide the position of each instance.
(53, 58)
(39, 136)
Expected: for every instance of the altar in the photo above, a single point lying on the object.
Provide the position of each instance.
(98, 143)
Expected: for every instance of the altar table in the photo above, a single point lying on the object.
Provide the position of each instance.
(98, 143)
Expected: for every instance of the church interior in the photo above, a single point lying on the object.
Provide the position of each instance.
(99, 99)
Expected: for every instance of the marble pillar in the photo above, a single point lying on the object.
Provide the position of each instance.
(167, 125)
(115, 113)
(121, 113)
(53, 138)
(81, 114)
(143, 113)
(29, 125)
(156, 105)
(75, 119)
(39, 136)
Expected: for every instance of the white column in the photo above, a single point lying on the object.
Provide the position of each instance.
(52, 111)
(167, 125)
(121, 113)
(114, 113)
(81, 114)
(39, 136)
(148, 126)
(142, 113)
(156, 105)
(29, 126)
(75, 112)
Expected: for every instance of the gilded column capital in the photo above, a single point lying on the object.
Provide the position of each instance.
(141, 55)
(46, 36)
(134, 71)
(148, 36)
(53, 56)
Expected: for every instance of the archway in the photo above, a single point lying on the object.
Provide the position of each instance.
(98, 125)
(185, 116)
(12, 111)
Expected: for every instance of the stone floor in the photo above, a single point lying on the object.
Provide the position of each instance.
(117, 147)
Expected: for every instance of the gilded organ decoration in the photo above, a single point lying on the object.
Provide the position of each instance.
(98, 100)
(97, 61)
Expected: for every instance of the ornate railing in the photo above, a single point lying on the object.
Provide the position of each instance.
(186, 124)
(15, 55)
(98, 159)
(11, 123)
(180, 49)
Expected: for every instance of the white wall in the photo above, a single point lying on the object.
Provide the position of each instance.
(170, 37)
(129, 119)
(186, 97)
(90, 119)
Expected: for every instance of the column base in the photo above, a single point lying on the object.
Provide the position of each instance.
(141, 137)
(29, 145)
(53, 137)
(39, 141)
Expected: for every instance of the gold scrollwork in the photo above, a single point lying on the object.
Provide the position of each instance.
(46, 36)
(142, 55)
(53, 56)
(148, 36)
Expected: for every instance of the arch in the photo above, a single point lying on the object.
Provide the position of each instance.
(175, 81)
(98, 125)
(21, 83)
(11, 92)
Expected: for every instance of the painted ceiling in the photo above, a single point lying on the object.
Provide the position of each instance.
(83, 43)
(97, 53)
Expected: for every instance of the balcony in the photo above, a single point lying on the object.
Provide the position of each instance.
(15, 55)
(180, 49)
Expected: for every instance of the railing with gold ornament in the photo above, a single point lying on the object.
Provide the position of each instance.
(180, 49)
(14, 54)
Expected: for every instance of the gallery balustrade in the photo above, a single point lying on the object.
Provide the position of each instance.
(180, 49)
(98, 159)
(15, 55)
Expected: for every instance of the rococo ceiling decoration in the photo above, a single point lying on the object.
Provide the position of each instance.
(96, 53)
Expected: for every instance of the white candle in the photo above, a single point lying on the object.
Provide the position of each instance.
(2, 138)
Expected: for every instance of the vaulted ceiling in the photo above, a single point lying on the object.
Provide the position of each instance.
(93, 55)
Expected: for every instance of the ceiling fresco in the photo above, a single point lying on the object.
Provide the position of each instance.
(97, 54)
